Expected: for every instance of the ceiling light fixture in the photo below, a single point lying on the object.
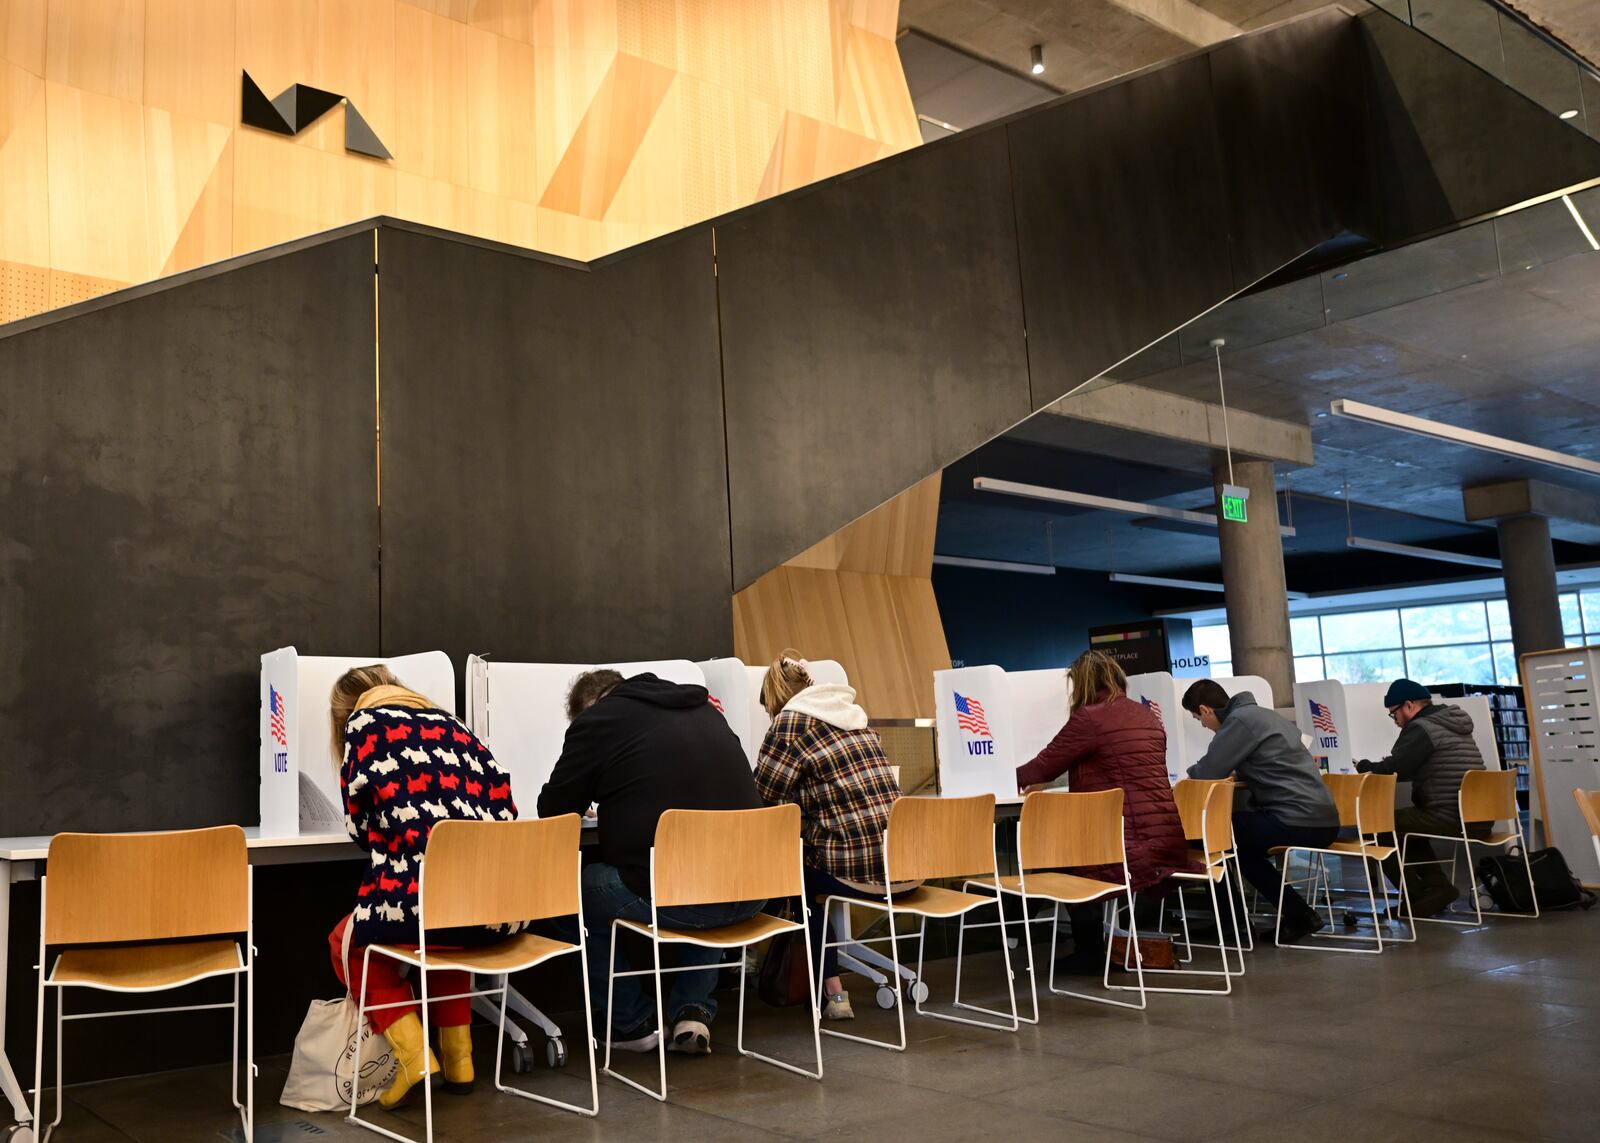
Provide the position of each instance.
(1367, 545)
(1104, 503)
(994, 565)
(1570, 113)
(1185, 584)
(1452, 434)
(1572, 208)
(1037, 54)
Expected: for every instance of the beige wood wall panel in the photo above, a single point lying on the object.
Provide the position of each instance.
(430, 136)
(822, 629)
(97, 142)
(501, 158)
(764, 621)
(181, 156)
(22, 24)
(24, 172)
(578, 127)
(922, 632)
(881, 660)
(97, 45)
(608, 139)
(24, 290)
(189, 48)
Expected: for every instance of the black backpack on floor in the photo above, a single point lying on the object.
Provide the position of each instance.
(1504, 879)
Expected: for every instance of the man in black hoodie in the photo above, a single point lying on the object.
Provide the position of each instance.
(1434, 751)
(637, 747)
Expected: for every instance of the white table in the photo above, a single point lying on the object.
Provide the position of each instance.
(20, 858)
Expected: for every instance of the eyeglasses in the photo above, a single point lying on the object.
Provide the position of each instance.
(1394, 712)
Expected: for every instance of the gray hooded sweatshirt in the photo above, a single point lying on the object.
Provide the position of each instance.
(1264, 749)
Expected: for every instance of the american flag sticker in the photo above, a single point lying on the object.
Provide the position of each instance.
(1321, 717)
(280, 729)
(716, 702)
(969, 716)
(1155, 708)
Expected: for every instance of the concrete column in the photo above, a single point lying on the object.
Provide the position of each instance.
(1252, 577)
(1530, 574)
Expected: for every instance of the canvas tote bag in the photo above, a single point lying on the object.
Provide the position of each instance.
(325, 1054)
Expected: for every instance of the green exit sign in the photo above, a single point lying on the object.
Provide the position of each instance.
(1234, 502)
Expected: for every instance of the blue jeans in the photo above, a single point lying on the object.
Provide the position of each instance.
(605, 898)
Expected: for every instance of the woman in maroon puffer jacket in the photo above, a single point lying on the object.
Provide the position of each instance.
(1110, 741)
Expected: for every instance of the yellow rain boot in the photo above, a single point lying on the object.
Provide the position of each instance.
(455, 1046)
(416, 1061)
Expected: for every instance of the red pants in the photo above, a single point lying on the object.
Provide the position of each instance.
(385, 985)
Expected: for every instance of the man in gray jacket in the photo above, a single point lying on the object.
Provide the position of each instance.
(1289, 805)
(1434, 751)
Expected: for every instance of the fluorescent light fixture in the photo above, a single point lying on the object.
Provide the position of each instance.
(1104, 503)
(1185, 584)
(1037, 54)
(1452, 434)
(1421, 553)
(1572, 207)
(1570, 113)
(994, 565)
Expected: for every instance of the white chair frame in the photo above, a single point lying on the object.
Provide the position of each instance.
(246, 969)
(419, 961)
(1517, 841)
(652, 932)
(892, 909)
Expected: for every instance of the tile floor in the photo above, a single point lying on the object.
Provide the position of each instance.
(1470, 1034)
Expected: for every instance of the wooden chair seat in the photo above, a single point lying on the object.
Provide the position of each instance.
(522, 951)
(748, 931)
(140, 967)
(932, 901)
(1363, 849)
(1065, 887)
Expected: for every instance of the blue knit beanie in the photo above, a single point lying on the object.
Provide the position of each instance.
(1404, 690)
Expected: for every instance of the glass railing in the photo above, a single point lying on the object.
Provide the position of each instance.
(1524, 58)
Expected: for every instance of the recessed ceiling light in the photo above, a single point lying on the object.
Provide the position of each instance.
(1571, 113)
(1037, 52)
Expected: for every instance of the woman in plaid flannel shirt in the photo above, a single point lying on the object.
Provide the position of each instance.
(820, 755)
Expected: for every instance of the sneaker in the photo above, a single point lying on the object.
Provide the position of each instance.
(837, 1007)
(641, 1039)
(691, 1032)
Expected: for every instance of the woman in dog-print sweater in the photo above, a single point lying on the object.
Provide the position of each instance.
(407, 765)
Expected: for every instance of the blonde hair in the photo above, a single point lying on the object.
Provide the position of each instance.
(1093, 672)
(354, 683)
(787, 677)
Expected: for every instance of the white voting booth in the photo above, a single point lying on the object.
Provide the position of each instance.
(1348, 722)
(299, 775)
(1187, 740)
(989, 721)
(735, 689)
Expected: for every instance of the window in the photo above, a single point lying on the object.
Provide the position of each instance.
(1366, 666)
(1436, 643)
(1361, 631)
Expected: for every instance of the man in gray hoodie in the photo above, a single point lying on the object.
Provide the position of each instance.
(1289, 805)
(1434, 751)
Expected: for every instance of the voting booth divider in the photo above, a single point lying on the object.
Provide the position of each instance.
(990, 721)
(735, 690)
(299, 770)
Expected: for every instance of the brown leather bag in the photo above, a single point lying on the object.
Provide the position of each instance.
(783, 981)
(1156, 952)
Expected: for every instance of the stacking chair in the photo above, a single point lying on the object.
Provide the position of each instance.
(1589, 806)
(167, 891)
(1366, 802)
(477, 873)
(1485, 796)
(1066, 830)
(926, 839)
(1216, 848)
(1191, 795)
(713, 857)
